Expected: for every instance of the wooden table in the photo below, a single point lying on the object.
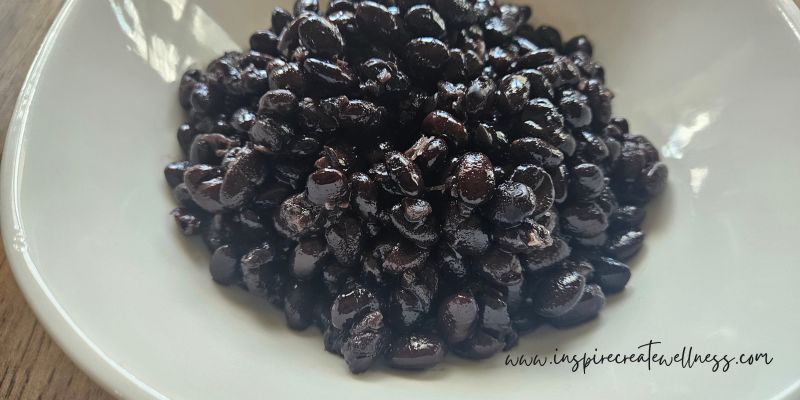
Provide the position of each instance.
(31, 365)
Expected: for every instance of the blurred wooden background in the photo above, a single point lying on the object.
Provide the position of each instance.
(31, 365)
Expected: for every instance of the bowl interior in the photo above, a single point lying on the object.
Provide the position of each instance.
(713, 86)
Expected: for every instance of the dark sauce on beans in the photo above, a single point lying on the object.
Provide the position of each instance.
(413, 177)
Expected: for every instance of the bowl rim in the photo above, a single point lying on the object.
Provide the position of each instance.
(55, 320)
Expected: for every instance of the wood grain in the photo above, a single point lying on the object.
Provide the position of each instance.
(31, 365)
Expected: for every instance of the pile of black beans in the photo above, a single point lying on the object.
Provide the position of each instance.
(413, 176)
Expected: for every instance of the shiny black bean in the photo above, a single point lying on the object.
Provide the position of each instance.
(583, 220)
(275, 135)
(575, 108)
(627, 217)
(525, 237)
(500, 267)
(423, 21)
(625, 244)
(511, 204)
(537, 151)
(540, 85)
(265, 42)
(378, 22)
(560, 176)
(204, 183)
(289, 77)
(539, 260)
(590, 304)
(578, 43)
(558, 293)
(225, 265)
(405, 173)
(654, 178)
(416, 352)
(475, 179)
(414, 220)
(346, 241)
(174, 171)
(299, 305)
(298, 217)
(350, 306)
(329, 78)
(586, 182)
(429, 153)
(209, 148)
(479, 346)
(280, 19)
(540, 181)
(611, 274)
(328, 187)
(308, 258)
(362, 117)
(480, 95)
(426, 56)
(251, 264)
(279, 103)
(458, 317)
(368, 339)
(513, 93)
(305, 5)
(599, 101)
(404, 257)
(188, 222)
(320, 36)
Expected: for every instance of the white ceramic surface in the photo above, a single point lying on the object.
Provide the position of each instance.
(714, 83)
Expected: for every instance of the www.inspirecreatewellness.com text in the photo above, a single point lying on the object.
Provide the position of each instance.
(687, 358)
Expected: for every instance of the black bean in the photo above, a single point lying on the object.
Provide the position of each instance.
(575, 108)
(499, 267)
(298, 217)
(362, 117)
(538, 260)
(279, 103)
(414, 220)
(590, 304)
(625, 244)
(558, 293)
(458, 317)
(225, 265)
(305, 5)
(627, 217)
(610, 274)
(654, 178)
(251, 264)
(348, 307)
(328, 187)
(289, 77)
(480, 95)
(405, 173)
(536, 150)
(586, 182)
(475, 179)
(511, 204)
(345, 241)
(320, 36)
(479, 346)
(330, 78)
(415, 351)
(547, 36)
(204, 183)
(599, 101)
(208, 148)
(583, 220)
(308, 258)
(299, 305)
(513, 93)
(188, 222)
(426, 56)
(280, 19)
(423, 21)
(174, 171)
(275, 135)
(540, 181)
(525, 237)
(265, 42)
(378, 22)
(404, 257)
(368, 339)
(579, 43)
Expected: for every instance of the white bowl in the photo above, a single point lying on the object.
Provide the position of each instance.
(85, 220)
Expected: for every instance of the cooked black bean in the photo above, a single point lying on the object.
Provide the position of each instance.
(299, 305)
(458, 317)
(187, 221)
(627, 217)
(558, 293)
(512, 202)
(499, 267)
(610, 274)
(415, 351)
(590, 304)
(404, 257)
(225, 265)
(586, 182)
(578, 43)
(536, 150)
(426, 56)
(279, 103)
(583, 219)
(625, 244)
(413, 176)
(368, 339)
(423, 21)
